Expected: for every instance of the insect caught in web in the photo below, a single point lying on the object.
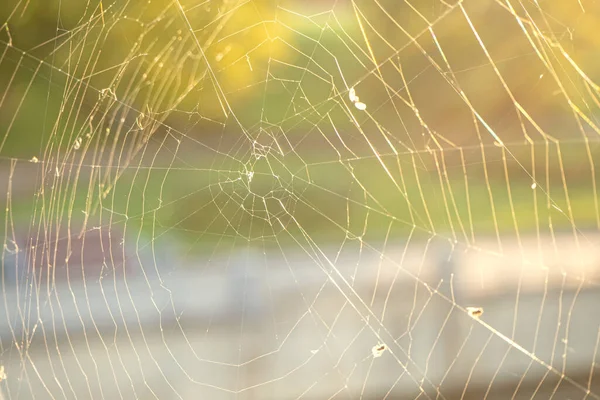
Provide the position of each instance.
(475, 312)
(355, 99)
(378, 350)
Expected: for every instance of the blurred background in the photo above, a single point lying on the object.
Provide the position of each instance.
(260, 199)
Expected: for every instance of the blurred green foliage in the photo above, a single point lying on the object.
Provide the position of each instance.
(230, 119)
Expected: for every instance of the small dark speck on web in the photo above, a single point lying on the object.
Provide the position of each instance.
(378, 350)
(475, 312)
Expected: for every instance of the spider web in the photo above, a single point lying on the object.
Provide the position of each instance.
(259, 199)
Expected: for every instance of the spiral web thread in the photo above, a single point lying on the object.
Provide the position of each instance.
(260, 199)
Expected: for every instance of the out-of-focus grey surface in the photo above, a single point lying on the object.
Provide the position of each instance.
(302, 325)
